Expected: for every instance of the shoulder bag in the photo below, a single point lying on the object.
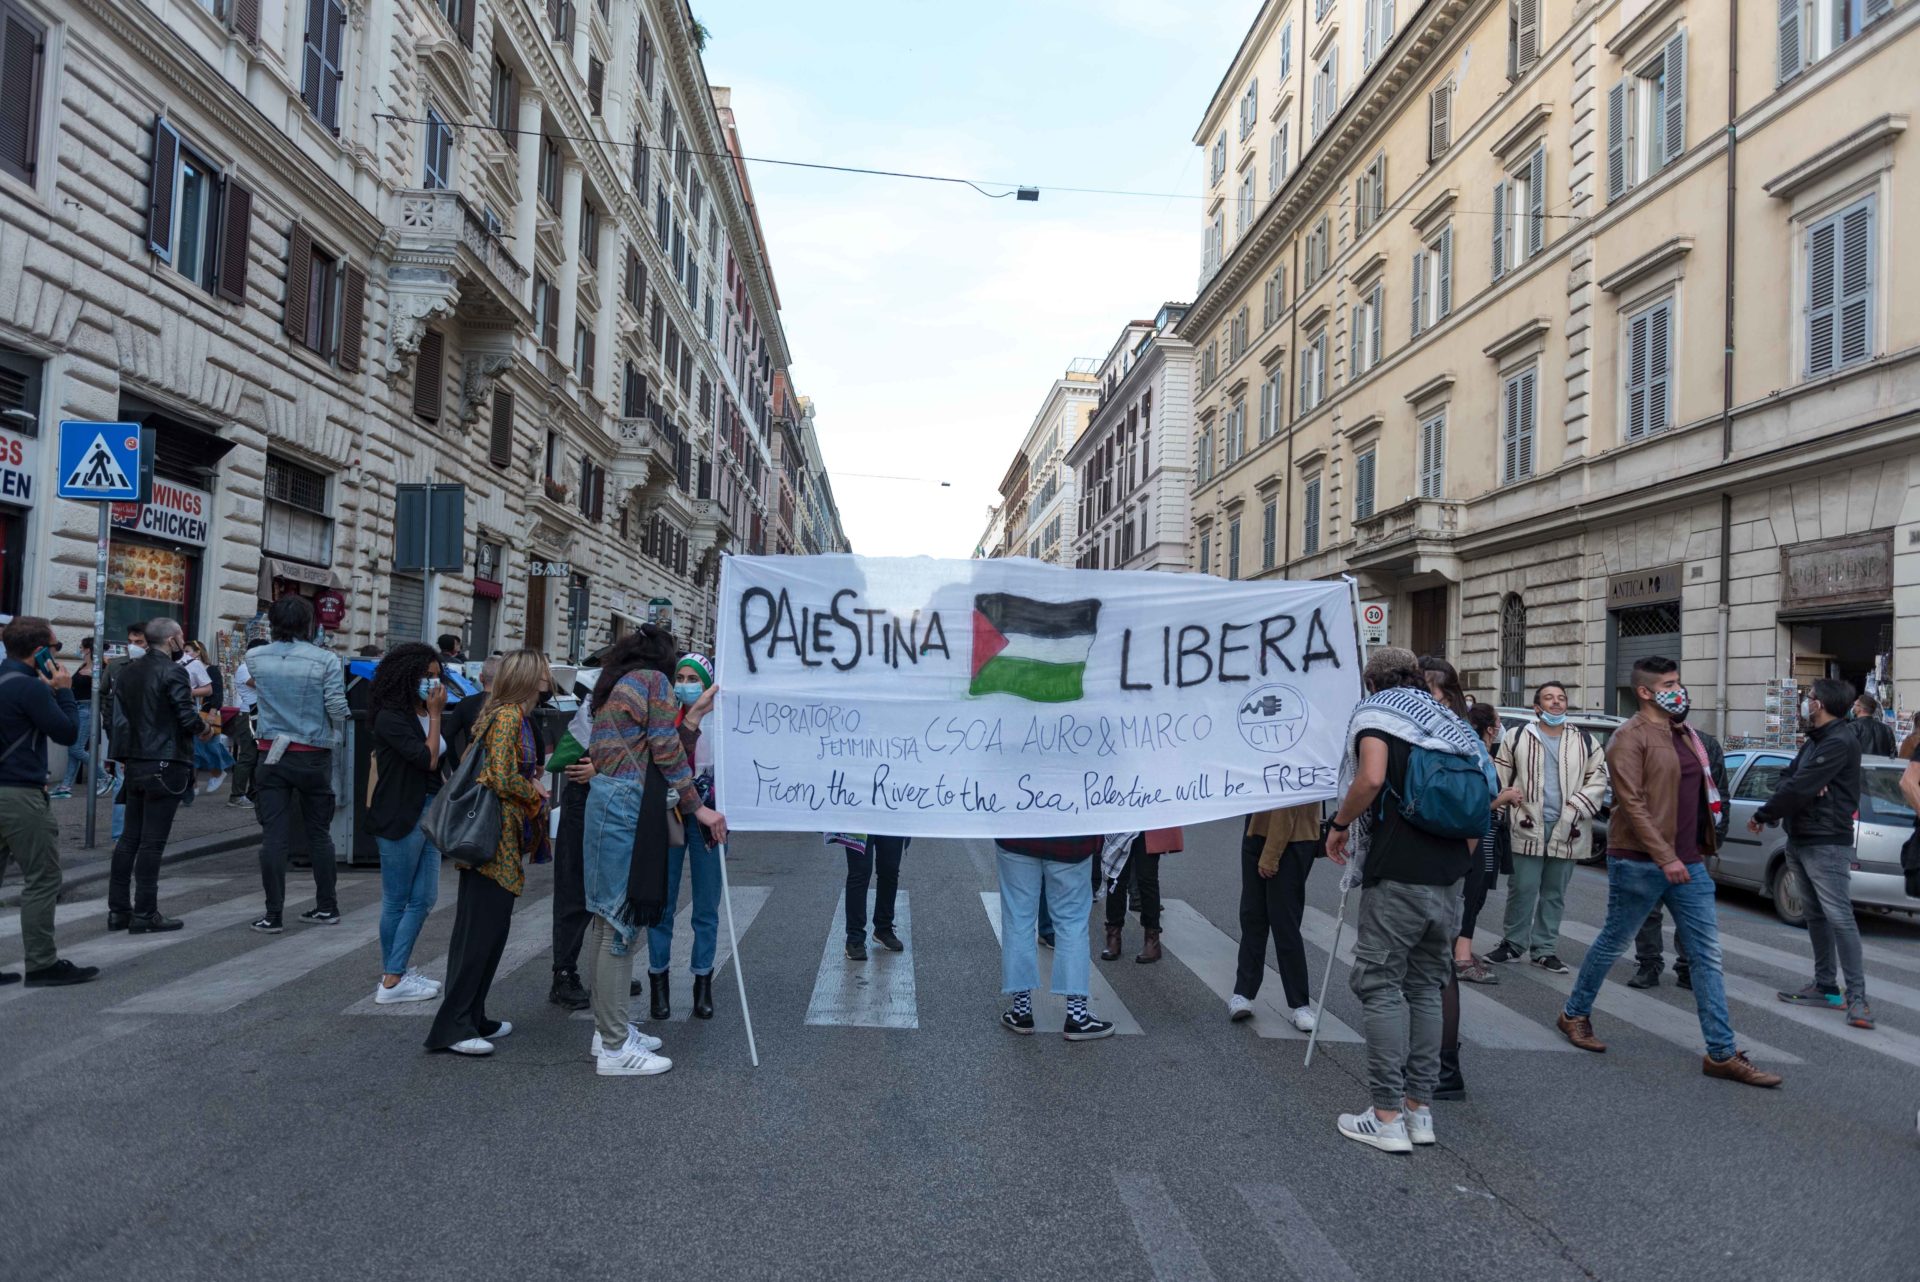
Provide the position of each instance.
(464, 820)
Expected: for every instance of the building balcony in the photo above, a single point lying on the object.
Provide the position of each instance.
(1414, 537)
(447, 263)
(645, 462)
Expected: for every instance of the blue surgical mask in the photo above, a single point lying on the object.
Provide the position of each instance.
(426, 688)
(1554, 718)
(688, 692)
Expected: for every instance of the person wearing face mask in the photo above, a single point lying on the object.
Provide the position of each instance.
(1648, 954)
(694, 693)
(153, 724)
(1553, 781)
(409, 751)
(1658, 843)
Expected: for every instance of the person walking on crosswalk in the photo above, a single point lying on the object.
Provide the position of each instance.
(36, 705)
(1817, 797)
(1277, 851)
(483, 913)
(1553, 781)
(1411, 873)
(1064, 866)
(1658, 841)
(1649, 946)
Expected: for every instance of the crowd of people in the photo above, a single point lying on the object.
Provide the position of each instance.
(1438, 799)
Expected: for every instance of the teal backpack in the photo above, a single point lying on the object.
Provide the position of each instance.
(1446, 795)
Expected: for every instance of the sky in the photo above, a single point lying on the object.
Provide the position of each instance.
(926, 321)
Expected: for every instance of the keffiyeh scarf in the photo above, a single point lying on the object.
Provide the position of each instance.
(1419, 719)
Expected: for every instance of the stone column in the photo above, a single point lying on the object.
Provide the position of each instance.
(604, 358)
(526, 213)
(570, 268)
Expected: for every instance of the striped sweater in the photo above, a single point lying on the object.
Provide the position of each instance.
(637, 721)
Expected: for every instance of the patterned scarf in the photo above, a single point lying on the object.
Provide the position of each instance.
(1417, 718)
(1706, 770)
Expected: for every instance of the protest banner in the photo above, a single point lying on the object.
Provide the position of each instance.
(922, 697)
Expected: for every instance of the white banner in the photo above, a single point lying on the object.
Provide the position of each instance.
(1011, 698)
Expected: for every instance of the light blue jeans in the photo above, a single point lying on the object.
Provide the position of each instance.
(705, 862)
(1633, 888)
(409, 887)
(1069, 898)
(77, 754)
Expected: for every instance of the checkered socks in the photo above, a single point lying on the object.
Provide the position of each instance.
(1077, 1009)
(1023, 1004)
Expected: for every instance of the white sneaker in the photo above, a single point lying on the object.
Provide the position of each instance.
(633, 1035)
(501, 1031)
(1303, 1019)
(472, 1046)
(1419, 1125)
(418, 976)
(409, 989)
(1366, 1126)
(1239, 1008)
(213, 784)
(631, 1060)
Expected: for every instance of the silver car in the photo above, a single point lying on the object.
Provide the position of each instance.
(1880, 828)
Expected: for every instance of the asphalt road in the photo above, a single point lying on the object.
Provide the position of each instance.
(225, 1105)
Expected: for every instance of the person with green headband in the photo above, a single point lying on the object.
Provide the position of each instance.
(693, 687)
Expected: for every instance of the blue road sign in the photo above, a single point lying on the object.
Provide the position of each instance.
(99, 462)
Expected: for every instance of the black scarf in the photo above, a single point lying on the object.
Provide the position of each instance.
(647, 874)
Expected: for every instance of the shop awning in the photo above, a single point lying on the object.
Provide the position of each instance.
(272, 568)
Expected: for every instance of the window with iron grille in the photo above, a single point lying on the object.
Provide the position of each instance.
(1513, 651)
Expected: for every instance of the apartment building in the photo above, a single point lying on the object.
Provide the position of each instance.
(819, 521)
(1134, 462)
(1573, 332)
(1041, 503)
(337, 252)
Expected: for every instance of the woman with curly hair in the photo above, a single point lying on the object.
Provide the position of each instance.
(406, 703)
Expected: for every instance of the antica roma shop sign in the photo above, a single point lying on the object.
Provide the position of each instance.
(177, 514)
(917, 697)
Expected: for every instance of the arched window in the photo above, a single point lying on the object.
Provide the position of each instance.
(1513, 651)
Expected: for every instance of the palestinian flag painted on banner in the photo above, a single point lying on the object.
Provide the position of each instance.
(1031, 649)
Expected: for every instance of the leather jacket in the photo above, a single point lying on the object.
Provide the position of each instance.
(1818, 794)
(153, 717)
(1646, 793)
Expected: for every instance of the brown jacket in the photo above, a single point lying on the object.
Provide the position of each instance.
(1277, 829)
(1646, 792)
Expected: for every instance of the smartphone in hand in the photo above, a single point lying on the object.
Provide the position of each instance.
(43, 661)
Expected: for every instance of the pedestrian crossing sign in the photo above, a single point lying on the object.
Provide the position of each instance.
(99, 462)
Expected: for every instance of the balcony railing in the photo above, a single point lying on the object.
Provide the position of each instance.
(440, 223)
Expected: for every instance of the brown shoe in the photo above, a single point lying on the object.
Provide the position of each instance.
(1150, 951)
(1580, 1033)
(1738, 1068)
(1112, 951)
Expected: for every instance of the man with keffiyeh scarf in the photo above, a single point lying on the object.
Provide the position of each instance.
(1410, 905)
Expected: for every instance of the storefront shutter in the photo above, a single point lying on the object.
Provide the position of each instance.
(500, 434)
(166, 167)
(299, 272)
(236, 238)
(353, 316)
(429, 376)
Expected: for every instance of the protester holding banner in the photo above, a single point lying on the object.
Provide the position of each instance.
(484, 911)
(693, 692)
(1061, 864)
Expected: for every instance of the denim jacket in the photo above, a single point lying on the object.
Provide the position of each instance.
(302, 691)
(612, 815)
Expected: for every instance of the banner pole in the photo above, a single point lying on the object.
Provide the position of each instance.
(733, 938)
(1333, 955)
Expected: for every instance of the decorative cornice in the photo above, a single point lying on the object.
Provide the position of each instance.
(1630, 32)
(1431, 388)
(1514, 339)
(1522, 131)
(1365, 271)
(1670, 251)
(1828, 159)
(1436, 209)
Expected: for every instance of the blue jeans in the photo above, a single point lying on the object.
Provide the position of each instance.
(1633, 888)
(409, 885)
(77, 754)
(119, 803)
(1070, 896)
(705, 861)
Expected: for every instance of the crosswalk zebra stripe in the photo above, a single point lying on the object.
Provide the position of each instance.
(49, 1059)
(1892, 1043)
(1675, 1024)
(1162, 1230)
(259, 971)
(1801, 963)
(1211, 954)
(876, 993)
(1483, 1021)
(747, 902)
(1050, 1009)
(530, 936)
(1310, 1257)
(109, 952)
(81, 910)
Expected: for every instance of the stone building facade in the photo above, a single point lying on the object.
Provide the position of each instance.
(1574, 330)
(331, 250)
(1039, 511)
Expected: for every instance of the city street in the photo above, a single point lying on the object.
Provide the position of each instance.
(226, 1105)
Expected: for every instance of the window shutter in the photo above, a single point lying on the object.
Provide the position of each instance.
(1878, 9)
(1537, 203)
(299, 273)
(429, 376)
(353, 316)
(1510, 432)
(599, 493)
(1821, 309)
(1856, 284)
(246, 20)
(1617, 139)
(1499, 230)
(1433, 446)
(1363, 475)
(1369, 34)
(21, 54)
(1789, 46)
(236, 239)
(1440, 114)
(1659, 371)
(1379, 187)
(1528, 390)
(1674, 135)
(1355, 346)
(312, 64)
(466, 21)
(500, 430)
(166, 168)
(1444, 307)
(1418, 291)
(1528, 36)
(1375, 312)
(1637, 375)
(596, 84)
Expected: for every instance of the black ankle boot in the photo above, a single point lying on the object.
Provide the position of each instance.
(662, 1006)
(1452, 1084)
(567, 992)
(703, 996)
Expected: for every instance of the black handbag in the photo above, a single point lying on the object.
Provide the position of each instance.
(464, 820)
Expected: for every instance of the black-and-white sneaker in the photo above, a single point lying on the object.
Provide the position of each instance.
(1086, 1029)
(1016, 1021)
(320, 917)
(1506, 952)
(268, 926)
(1552, 964)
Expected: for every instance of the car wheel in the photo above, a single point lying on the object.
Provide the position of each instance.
(1789, 896)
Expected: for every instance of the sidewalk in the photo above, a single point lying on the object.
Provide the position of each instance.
(208, 827)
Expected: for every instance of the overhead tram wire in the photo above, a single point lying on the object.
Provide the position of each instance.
(979, 185)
